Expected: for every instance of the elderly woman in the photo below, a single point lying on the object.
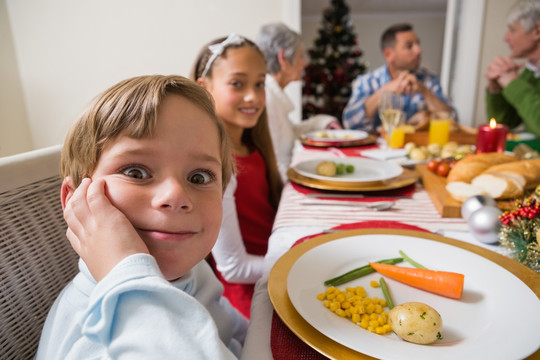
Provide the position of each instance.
(285, 62)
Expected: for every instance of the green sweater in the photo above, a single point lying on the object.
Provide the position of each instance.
(518, 102)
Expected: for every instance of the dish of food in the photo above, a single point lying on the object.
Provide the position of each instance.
(336, 135)
(365, 170)
(408, 177)
(473, 327)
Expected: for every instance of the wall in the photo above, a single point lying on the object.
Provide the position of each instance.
(492, 45)
(15, 134)
(69, 51)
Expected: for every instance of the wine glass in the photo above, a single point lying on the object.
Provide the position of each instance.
(390, 112)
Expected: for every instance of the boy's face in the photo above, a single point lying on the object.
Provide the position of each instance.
(169, 185)
(237, 86)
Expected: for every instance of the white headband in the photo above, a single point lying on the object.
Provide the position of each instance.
(217, 49)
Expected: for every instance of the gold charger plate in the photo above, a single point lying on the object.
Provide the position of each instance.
(408, 177)
(277, 286)
(369, 140)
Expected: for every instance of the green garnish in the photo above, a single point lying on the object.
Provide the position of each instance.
(422, 316)
(386, 293)
(411, 261)
(359, 272)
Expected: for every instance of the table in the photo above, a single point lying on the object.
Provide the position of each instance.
(293, 222)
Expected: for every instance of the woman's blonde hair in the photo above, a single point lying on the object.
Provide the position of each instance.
(257, 136)
(130, 108)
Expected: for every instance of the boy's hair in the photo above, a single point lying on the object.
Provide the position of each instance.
(526, 12)
(257, 136)
(130, 108)
(388, 38)
(273, 38)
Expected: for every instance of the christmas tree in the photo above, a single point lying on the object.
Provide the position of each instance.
(334, 63)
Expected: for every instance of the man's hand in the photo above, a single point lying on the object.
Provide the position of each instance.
(420, 120)
(98, 231)
(500, 72)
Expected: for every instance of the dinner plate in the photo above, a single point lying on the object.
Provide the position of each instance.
(365, 170)
(473, 326)
(480, 325)
(408, 177)
(336, 135)
(369, 140)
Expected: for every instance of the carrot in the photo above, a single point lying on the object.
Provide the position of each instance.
(443, 283)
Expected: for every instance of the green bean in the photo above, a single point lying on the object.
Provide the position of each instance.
(359, 272)
(386, 293)
(411, 261)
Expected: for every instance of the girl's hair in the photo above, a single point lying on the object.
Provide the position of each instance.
(526, 12)
(130, 108)
(273, 38)
(259, 135)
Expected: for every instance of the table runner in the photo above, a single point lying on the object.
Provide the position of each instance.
(417, 210)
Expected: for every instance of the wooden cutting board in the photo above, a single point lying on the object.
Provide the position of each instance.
(435, 185)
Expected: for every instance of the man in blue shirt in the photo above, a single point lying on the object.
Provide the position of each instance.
(421, 90)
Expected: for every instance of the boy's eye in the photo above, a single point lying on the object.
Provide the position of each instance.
(236, 83)
(136, 173)
(261, 84)
(201, 177)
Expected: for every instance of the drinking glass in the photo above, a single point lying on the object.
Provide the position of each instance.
(390, 112)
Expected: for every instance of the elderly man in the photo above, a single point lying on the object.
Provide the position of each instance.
(401, 74)
(513, 97)
(285, 62)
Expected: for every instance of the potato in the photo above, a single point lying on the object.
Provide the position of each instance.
(409, 146)
(326, 168)
(418, 154)
(415, 322)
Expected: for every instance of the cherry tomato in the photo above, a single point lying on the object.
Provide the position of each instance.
(432, 165)
(443, 169)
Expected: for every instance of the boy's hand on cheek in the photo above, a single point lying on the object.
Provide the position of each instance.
(98, 231)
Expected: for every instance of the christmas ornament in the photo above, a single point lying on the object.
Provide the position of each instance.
(474, 203)
(485, 224)
(520, 231)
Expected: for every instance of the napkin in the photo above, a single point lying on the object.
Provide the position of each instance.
(384, 154)
(283, 342)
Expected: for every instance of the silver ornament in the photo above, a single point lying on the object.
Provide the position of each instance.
(474, 203)
(485, 224)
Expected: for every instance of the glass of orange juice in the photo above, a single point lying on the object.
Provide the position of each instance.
(439, 128)
(397, 138)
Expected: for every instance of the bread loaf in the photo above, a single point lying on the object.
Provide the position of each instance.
(527, 170)
(468, 168)
(461, 191)
(499, 186)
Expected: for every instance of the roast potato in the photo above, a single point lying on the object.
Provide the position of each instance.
(415, 322)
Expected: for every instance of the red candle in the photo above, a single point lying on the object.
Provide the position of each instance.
(491, 137)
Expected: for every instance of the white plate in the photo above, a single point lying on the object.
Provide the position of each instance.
(336, 135)
(498, 316)
(365, 170)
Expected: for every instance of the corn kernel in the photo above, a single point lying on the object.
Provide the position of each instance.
(374, 284)
(321, 296)
(355, 318)
(340, 312)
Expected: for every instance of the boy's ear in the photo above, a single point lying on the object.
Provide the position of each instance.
(66, 191)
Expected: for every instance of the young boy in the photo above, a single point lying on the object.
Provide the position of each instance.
(144, 172)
